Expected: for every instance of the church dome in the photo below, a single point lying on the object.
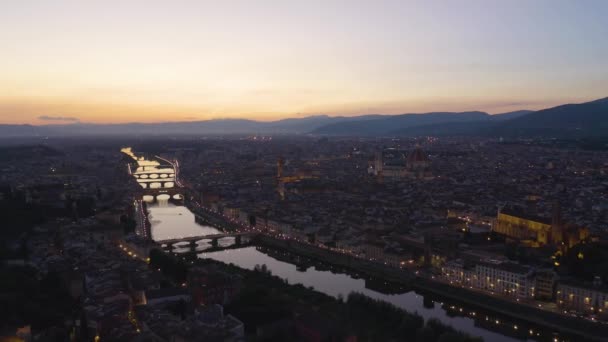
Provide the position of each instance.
(417, 156)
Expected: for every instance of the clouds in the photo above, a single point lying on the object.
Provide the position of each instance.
(58, 118)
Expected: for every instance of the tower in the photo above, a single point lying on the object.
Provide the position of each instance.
(280, 183)
(280, 164)
(378, 166)
(556, 224)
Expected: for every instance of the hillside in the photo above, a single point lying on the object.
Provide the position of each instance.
(583, 120)
(588, 119)
(391, 125)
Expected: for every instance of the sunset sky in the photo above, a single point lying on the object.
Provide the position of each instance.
(149, 61)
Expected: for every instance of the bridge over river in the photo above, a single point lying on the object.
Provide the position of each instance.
(193, 240)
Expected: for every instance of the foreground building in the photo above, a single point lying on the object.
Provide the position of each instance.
(508, 279)
(583, 298)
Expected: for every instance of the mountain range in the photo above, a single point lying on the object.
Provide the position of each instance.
(588, 119)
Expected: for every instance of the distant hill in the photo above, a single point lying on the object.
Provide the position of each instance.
(588, 119)
(585, 120)
(7, 131)
(18, 153)
(567, 121)
(461, 128)
(466, 128)
(223, 126)
(394, 124)
(510, 115)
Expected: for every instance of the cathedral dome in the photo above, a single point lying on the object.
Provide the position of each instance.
(417, 156)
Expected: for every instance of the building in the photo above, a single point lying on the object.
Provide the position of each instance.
(523, 228)
(508, 279)
(373, 250)
(535, 231)
(545, 282)
(418, 165)
(166, 296)
(583, 298)
(392, 164)
(456, 272)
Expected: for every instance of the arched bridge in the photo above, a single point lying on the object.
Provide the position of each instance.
(238, 237)
(152, 195)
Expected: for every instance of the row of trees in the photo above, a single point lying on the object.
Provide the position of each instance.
(172, 267)
(375, 320)
(266, 298)
(32, 298)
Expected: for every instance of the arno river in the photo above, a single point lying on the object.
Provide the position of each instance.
(169, 220)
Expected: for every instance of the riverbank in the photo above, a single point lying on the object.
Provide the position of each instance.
(565, 324)
(550, 320)
(273, 309)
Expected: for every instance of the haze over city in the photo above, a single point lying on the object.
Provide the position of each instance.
(152, 61)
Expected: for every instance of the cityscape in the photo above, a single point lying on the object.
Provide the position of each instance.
(296, 214)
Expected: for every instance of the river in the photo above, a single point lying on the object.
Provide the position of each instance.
(170, 221)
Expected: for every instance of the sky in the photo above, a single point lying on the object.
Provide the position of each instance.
(153, 61)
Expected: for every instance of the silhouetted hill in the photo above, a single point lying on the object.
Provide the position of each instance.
(510, 115)
(461, 128)
(588, 119)
(24, 152)
(7, 131)
(394, 124)
(311, 123)
(467, 128)
(221, 126)
(207, 127)
(567, 121)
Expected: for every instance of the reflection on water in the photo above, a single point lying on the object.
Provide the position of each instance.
(171, 221)
(335, 284)
(184, 247)
(153, 173)
(167, 220)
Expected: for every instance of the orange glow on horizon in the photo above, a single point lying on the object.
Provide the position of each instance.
(158, 61)
(45, 111)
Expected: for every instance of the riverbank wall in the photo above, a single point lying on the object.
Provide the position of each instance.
(565, 324)
(372, 269)
(569, 325)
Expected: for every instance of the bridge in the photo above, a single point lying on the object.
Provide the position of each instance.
(192, 240)
(153, 173)
(153, 195)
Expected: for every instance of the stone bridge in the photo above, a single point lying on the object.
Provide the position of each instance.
(153, 195)
(192, 240)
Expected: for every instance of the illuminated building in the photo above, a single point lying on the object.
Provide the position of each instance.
(507, 279)
(296, 177)
(583, 298)
(537, 231)
(457, 273)
(524, 228)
